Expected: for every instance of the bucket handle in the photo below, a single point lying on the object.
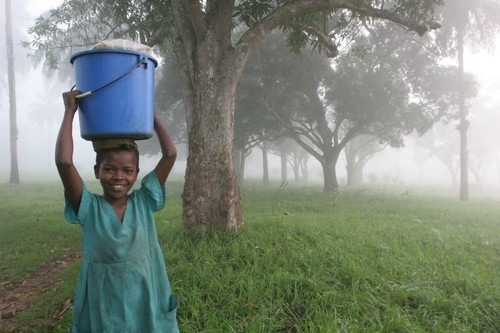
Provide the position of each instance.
(133, 68)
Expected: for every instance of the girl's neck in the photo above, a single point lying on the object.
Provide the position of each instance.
(119, 206)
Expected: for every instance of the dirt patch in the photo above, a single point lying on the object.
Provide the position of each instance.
(17, 296)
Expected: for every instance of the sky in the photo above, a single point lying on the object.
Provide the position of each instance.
(36, 94)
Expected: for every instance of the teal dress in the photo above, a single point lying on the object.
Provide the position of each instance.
(123, 284)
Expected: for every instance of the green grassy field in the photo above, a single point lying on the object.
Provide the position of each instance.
(359, 261)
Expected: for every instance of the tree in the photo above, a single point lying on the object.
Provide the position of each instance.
(212, 59)
(473, 22)
(440, 143)
(11, 74)
(358, 152)
(253, 125)
(387, 87)
(261, 87)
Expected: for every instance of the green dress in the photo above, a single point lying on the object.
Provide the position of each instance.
(123, 284)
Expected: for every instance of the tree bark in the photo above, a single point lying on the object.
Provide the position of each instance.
(11, 74)
(211, 197)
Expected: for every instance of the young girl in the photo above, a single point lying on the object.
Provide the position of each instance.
(123, 284)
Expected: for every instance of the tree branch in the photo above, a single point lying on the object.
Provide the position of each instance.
(282, 15)
(325, 40)
(197, 18)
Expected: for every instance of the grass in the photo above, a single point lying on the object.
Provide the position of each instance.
(367, 260)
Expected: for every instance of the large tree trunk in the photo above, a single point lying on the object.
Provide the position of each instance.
(211, 196)
(11, 74)
(211, 192)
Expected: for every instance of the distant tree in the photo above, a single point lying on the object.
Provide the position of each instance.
(474, 23)
(212, 59)
(358, 152)
(440, 142)
(253, 124)
(11, 74)
(263, 87)
(297, 159)
(386, 87)
(20, 19)
(290, 154)
(483, 132)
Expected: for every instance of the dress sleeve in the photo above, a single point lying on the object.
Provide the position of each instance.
(69, 213)
(153, 191)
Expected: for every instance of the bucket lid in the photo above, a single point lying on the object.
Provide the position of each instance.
(83, 53)
(123, 44)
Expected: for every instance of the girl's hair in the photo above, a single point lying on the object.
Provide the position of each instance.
(101, 154)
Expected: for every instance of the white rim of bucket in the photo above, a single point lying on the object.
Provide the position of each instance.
(79, 54)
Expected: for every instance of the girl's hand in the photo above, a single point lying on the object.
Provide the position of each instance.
(70, 102)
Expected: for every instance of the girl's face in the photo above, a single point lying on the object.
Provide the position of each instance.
(117, 173)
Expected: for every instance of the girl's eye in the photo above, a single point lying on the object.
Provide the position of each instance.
(108, 169)
(129, 171)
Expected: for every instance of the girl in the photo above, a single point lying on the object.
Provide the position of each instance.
(123, 284)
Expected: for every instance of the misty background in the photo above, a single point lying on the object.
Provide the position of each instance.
(40, 109)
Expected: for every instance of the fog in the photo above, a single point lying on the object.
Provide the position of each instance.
(40, 109)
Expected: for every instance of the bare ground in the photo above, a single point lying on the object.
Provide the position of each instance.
(17, 296)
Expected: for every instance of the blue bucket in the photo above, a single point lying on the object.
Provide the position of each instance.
(118, 93)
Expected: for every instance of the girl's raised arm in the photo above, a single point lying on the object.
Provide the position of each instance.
(70, 177)
(168, 150)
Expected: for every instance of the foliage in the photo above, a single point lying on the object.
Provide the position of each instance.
(261, 90)
(389, 86)
(480, 20)
(78, 24)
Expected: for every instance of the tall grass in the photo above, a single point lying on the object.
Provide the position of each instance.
(359, 261)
